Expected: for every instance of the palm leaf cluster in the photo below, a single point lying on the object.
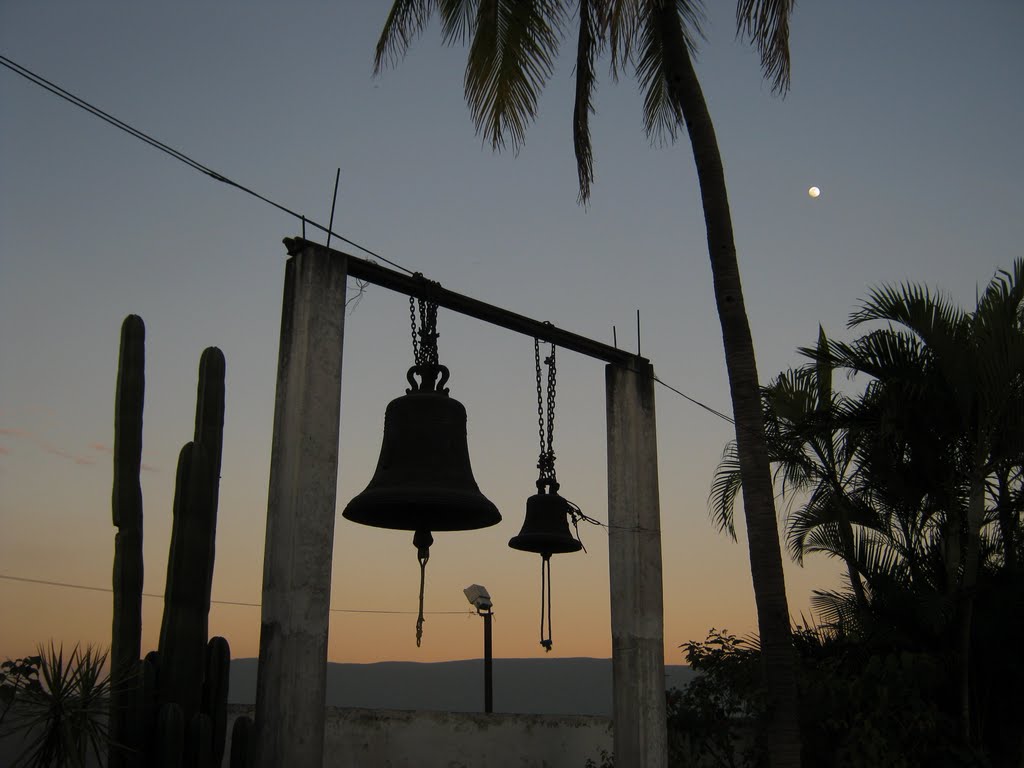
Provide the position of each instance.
(513, 46)
(916, 482)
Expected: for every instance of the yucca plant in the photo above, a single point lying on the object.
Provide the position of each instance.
(63, 719)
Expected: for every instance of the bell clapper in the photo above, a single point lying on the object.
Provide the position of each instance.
(422, 541)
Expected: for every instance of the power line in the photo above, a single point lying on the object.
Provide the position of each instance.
(218, 602)
(685, 396)
(81, 103)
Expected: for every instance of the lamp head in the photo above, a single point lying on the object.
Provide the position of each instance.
(478, 597)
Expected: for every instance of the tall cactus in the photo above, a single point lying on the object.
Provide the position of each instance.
(126, 504)
(171, 709)
(184, 631)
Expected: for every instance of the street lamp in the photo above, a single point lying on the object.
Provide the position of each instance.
(480, 600)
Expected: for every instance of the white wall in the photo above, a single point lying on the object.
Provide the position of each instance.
(379, 738)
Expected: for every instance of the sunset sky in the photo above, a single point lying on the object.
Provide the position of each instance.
(907, 116)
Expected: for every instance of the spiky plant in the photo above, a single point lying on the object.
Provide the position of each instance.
(63, 719)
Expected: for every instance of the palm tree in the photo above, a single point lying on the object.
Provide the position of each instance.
(917, 483)
(512, 48)
(958, 377)
(815, 457)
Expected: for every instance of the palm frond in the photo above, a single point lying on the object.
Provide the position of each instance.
(929, 315)
(836, 610)
(511, 57)
(405, 22)
(766, 24)
(724, 489)
(586, 52)
(1005, 292)
(882, 354)
(665, 30)
(818, 512)
(619, 21)
(457, 17)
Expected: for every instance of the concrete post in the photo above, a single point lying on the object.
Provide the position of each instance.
(634, 569)
(291, 681)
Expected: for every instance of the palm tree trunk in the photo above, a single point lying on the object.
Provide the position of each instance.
(778, 655)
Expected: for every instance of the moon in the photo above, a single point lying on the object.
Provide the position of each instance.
(813, 191)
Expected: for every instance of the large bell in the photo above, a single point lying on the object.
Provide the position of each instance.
(546, 527)
(423, 480)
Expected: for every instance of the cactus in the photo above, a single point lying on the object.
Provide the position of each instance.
(148, 704)
(126, 505)
(170, 737)
(183, 632)
(215, 693)
(199, 742)
(243, 743)
(170, 710)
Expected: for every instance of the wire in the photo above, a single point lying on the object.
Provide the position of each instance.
(218, 602)
(685, 396)
(81, 103)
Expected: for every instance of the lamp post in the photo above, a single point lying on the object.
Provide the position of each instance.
(480, 600)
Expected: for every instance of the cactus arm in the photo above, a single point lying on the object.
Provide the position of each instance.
(215, 693)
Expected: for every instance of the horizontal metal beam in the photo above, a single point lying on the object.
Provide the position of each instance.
(421, 288)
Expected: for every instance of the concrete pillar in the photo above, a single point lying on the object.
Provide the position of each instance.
(634, 569)
(291, 681)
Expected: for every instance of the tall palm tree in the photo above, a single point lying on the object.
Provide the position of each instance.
(512, 48)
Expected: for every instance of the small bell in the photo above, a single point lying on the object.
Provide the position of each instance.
(546, 527)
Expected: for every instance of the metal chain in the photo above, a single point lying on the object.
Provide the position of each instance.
(540, 396)
(552, 373)
(546, 460)
(415, 335)
(424, 335)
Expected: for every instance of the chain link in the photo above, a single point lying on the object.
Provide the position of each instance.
(546, 460)
(424, 334)
(415, 335)
(552, 373)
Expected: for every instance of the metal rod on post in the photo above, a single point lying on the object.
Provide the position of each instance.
(634, 569)
(488, 666)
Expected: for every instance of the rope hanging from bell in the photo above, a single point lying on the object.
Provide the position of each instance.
(422, 541)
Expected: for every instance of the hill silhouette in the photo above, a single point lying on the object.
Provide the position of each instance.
(579, 686)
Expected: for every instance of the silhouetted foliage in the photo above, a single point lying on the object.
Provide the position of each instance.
(17, 677)
(59, 706)
(862, 707)
(916, 484)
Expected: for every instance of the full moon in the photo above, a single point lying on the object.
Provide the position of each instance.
(813, 191)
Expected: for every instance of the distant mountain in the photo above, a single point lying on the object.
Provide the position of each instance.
(578, 686)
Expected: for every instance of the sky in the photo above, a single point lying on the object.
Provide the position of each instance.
(908, 116)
